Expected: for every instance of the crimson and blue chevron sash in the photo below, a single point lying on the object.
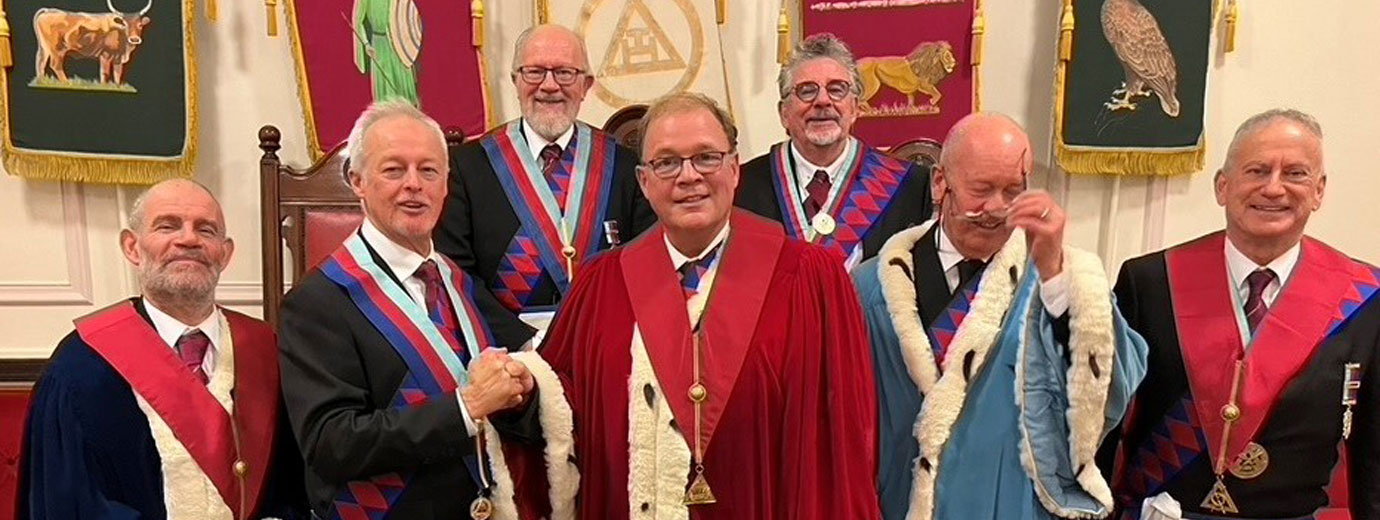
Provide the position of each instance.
(432, 356)
(946, 325)
(1172, 445)
(588, 162)
(856, 204)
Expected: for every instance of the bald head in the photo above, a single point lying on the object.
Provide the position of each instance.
(171, 189)
(986, 137)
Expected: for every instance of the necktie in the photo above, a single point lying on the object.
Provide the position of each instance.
(967, 269)
(817, 193)
(191, 348)
(556, 176)
(1255, 301)
(691, 272)
(439, 307)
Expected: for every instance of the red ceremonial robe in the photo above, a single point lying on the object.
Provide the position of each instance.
(791, 416)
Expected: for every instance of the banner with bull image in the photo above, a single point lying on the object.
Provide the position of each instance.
(918, 60)
(353, 52)
(101, 90)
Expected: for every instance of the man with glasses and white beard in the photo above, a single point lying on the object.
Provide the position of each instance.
(1000, 360)
(538, 195)
(824, 185)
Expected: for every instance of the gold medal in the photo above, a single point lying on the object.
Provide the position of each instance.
(823, 223)
(1218, 500)
(481, 509)
(699, 492)
(1251, 463)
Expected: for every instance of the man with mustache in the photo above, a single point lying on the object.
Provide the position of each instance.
(536, 196)
(1000, 360)
(164, 405)
(388, 373)
(1263, 349)
(824, 185)
(717, 369)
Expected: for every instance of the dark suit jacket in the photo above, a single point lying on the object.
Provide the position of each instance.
(478, 222)
(908, 207)
(340, 377)
(1301, 433)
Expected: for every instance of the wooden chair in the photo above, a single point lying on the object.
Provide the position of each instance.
(924, 151)
(622, 125)
(309, 211)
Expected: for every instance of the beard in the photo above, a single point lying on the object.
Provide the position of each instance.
(548, 121)
(826, 137)
(180, 284)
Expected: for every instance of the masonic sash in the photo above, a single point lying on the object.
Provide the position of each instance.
(946, 325)
(855, 204)
(550, 240)
(1317, 299)
(432, 356)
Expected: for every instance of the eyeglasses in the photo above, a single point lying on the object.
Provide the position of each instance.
(564, 76)
(670, 166)
(1008, 198)
(837, 89)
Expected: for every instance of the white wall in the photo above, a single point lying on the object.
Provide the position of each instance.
(60, 239)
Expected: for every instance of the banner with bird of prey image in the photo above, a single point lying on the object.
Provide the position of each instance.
(1131, 85)
(100, 90)
(918, 60)
(354, 52)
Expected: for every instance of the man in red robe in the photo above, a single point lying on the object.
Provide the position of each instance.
(757, 400)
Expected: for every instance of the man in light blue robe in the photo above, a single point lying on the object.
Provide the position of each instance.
(1001, 361)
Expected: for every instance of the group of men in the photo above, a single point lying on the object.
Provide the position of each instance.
(972, 366)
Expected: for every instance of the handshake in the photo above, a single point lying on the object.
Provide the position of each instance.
(497, 383)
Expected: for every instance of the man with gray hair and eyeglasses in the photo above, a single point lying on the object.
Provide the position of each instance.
(1263, 350)
(824, 185)
(536, 196)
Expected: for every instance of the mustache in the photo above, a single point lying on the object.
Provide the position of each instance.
(825, 113)
(197, 257)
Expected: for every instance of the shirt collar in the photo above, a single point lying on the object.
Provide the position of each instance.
(948, 254)
(678, 259)
(535, 142)
(805, 170)
(170, 329)
(401, 260)
(1239, 266)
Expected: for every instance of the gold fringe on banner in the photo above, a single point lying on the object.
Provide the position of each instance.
(6, 58)
(1232, 16)
(272, 7)
(477, 24)
(212, 10)
(1096, 161)
(783, 35)
(1066, 32)
(109, 168)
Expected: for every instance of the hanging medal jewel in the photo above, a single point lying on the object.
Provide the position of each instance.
(823, 223)
(698, 493)
(1218, 500)
(1351, 386)
(482, 508)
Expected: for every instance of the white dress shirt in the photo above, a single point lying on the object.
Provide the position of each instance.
(805, 170)
(1239, 267)
(1054, 293)
(535, 142)
(679, 259)
(170, 329)
(403, 262)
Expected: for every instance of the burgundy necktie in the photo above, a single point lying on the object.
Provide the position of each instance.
(817, 193)
(556, 176)
(439, 306)
(191, 348)
(1255, 301)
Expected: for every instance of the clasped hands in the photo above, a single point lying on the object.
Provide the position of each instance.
(497, 382)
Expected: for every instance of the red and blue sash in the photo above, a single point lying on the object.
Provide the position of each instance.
(946, 325)
(545, 229)
(1318, 300)
(856, 204)
(432, 356)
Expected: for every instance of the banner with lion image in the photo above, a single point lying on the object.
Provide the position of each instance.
(100, 91)
(918, 60)
(1131, 86)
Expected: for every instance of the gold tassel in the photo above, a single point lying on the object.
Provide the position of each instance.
(272, 7)
(1066, 32)
(979, 29)
(477, 22)
(543, 12)
(212, 10)
(783, 36)
(1233, 14)
(6, 59)
(720, 11)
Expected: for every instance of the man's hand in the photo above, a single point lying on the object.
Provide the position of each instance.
(492, 386)
(1043, 222)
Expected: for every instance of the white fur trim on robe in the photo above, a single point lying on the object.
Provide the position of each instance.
(558, 430)
(658, 456)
